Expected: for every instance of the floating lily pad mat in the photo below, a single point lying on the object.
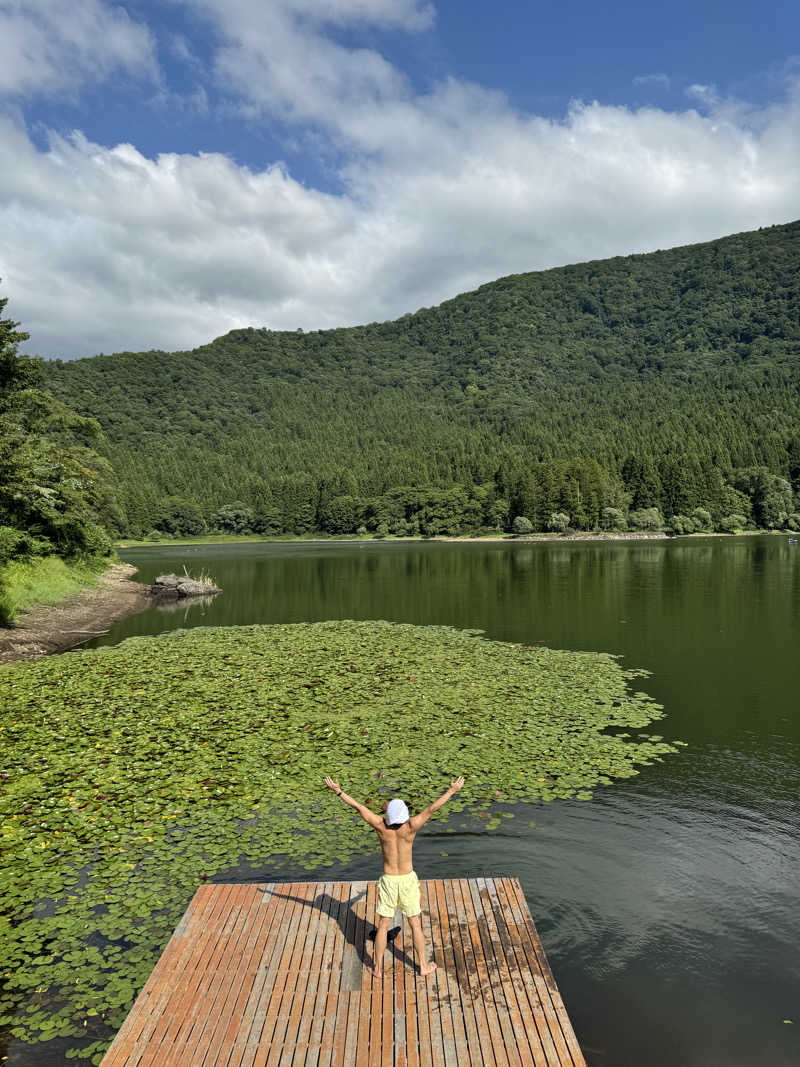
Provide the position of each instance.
(132, 773)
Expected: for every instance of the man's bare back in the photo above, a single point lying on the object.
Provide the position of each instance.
(396, 846)
(399, 885)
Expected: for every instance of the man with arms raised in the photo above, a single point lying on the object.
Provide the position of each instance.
(398, 886)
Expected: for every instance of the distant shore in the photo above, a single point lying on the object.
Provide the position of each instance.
(285, 539)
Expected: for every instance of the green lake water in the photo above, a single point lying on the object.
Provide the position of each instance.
(670, 904)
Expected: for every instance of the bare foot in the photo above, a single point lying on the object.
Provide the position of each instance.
(426, 969)
(376, 973)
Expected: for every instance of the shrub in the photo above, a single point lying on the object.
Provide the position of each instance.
(559, 522)
(732, 523)
(236, 518)
(793, 522)
(613, 519)
(681, 524)
(646, 519)
(522, 525)
(702, 519)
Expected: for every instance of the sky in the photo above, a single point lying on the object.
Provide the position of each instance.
(172, 170)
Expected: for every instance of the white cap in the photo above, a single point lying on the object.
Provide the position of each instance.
(396, 812)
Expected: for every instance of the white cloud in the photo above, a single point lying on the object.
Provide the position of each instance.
(656, 81)
(104, 249)
(47, 46)
(278, 58)
(705, 95)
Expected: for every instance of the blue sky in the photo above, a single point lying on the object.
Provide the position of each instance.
(171, 170)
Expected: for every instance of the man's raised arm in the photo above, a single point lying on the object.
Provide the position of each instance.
(364, 812)
(416, 821)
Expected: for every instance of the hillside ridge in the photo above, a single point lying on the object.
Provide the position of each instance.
(581, 375)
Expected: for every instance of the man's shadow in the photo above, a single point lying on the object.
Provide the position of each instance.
(355, 929)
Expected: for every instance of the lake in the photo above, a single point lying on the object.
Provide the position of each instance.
(670, 904)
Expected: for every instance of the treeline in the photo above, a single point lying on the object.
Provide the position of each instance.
(55, 495)
(659, 389)
(556, 496)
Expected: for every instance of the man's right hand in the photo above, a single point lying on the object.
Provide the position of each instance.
(456, 784)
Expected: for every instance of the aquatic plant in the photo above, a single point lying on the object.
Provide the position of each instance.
(132, 773)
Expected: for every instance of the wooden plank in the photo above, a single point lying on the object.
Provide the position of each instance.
(485, 1047)
(375, 998)
(222, 1041)
(350, 1044)
(571, 1056)
(464, 976)
(495, 980)
(325, 1004)
(196, 1031)
(457, 1048)
(190, 1014)
(365, 993)
(419, 994)
(527, 1042)
(484, 979)
(283, 909)
(410, 999)
(513, 925)
(333, 1017)
(271, 1055)
(427, 987)
(265, 1017)
(528, 1002)
(399, 1014)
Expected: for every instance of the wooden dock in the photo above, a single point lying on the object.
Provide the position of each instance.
(274, 975)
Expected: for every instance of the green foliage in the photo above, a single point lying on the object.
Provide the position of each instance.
(54, 489)
(522, 525)
(558, 522)
(733, 523)
(134, 772)
(613, 519)
(646, 519)
(770, 495)
(638, 382)
(234, 518)
(45, 580)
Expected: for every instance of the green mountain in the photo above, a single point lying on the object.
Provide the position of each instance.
(669, 380)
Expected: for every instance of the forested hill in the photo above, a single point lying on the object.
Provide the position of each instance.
(661, 381)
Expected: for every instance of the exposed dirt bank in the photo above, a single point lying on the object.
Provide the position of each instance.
(55, 627)
(504, 538)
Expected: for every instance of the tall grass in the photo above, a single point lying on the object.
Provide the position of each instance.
(23, 585)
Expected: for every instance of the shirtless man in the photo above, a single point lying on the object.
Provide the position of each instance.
(398, 886)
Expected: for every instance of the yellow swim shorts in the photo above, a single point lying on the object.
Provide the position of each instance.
(398, 891)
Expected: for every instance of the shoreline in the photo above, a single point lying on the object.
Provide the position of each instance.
(49, 628)
(521, 539)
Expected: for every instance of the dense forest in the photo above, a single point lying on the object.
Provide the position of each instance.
(646, 391)
(55, 490)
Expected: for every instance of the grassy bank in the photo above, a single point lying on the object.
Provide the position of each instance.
(24, 585)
